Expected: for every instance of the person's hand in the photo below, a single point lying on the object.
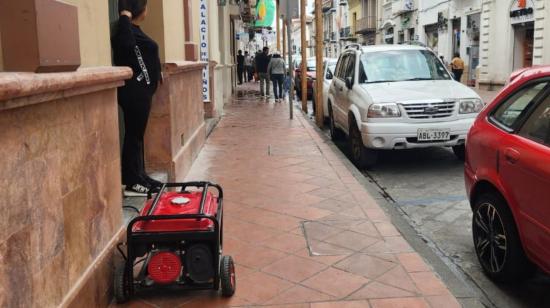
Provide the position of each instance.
(126, 13)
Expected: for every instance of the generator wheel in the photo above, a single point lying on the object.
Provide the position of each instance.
(227, 276)
(122, 293)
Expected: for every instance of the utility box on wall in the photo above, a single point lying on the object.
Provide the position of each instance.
(39, 36)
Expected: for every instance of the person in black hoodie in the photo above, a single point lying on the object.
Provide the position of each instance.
(133, 48)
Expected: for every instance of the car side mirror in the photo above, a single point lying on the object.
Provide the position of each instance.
(349, 82)
(328, 75)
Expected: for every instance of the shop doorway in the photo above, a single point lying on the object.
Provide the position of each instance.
(472, 50)
(113, 19)
(456, 35)
(388, 36)
(432, 36)
(411, 35)
(523, 45)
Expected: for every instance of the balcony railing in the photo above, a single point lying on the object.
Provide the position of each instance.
(345, 32)
(327, 5)
(366, 25)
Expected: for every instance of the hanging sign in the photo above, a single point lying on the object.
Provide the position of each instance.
(204, 55)
(265, 13)
(522, 11)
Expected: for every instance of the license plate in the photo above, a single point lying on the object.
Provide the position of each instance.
(433, 134)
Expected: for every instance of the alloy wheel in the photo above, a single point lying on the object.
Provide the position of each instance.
(490, 238)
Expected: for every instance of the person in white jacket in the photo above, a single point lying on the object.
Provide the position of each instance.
(276, 69)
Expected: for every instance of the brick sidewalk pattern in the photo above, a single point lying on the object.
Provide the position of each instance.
(301, 229)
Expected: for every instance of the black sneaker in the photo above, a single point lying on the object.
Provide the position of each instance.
(152, 182)
(136, 190)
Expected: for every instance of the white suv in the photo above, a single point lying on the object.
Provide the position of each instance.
(398, 97)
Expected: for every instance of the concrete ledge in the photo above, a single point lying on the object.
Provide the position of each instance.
(21, 89)
(178, 67)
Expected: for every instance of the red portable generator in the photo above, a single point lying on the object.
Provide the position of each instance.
(176, 242)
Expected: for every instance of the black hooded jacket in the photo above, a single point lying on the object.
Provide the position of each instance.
(124, 42)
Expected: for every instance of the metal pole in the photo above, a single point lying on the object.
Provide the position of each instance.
(338, 27)
(304, 55)
(277, 25)
(290, 66)
(284, 39)
(319, 113)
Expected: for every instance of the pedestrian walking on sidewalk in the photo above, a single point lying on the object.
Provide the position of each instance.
(457, 65)
(240, 66)
(262, 61)
(287, 84)
(276, 70)
(247, 67)
(133, 48)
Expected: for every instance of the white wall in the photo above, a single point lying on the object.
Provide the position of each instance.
(497, 43)
(174, 30)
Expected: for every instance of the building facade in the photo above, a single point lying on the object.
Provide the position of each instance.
(365, 25)
(493, 37)
(336, 31)
(447, 27)
(61, 136)
(514, 34)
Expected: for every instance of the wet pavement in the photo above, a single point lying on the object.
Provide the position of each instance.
(301, 228)
(426, 187)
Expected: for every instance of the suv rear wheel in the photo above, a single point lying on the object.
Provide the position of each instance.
(496, 240)
(460, 151)
(361, 156)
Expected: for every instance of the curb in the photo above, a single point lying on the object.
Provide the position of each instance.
(457, 283)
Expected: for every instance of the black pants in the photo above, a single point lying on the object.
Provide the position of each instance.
(278, 80)
(248, 73)
(240, 72)
(458, 74)
(136, 114)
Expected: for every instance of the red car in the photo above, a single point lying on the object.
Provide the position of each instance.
(507, 174)
(310, 75)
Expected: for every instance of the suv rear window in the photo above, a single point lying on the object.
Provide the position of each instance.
(341, 66)
(514, 108)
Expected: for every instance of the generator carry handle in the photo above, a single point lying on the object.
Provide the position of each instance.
(202, 184)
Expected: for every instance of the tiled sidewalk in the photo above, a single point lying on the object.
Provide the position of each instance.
(302, 230)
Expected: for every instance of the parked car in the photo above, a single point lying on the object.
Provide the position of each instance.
(507, 174)
(388, 97)
(311, 67)
(329, 64)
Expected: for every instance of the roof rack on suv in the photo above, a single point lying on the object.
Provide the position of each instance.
(356, 45)
(414, 43)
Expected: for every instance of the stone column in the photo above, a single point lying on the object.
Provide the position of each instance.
(176, 130)
(191, 47)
